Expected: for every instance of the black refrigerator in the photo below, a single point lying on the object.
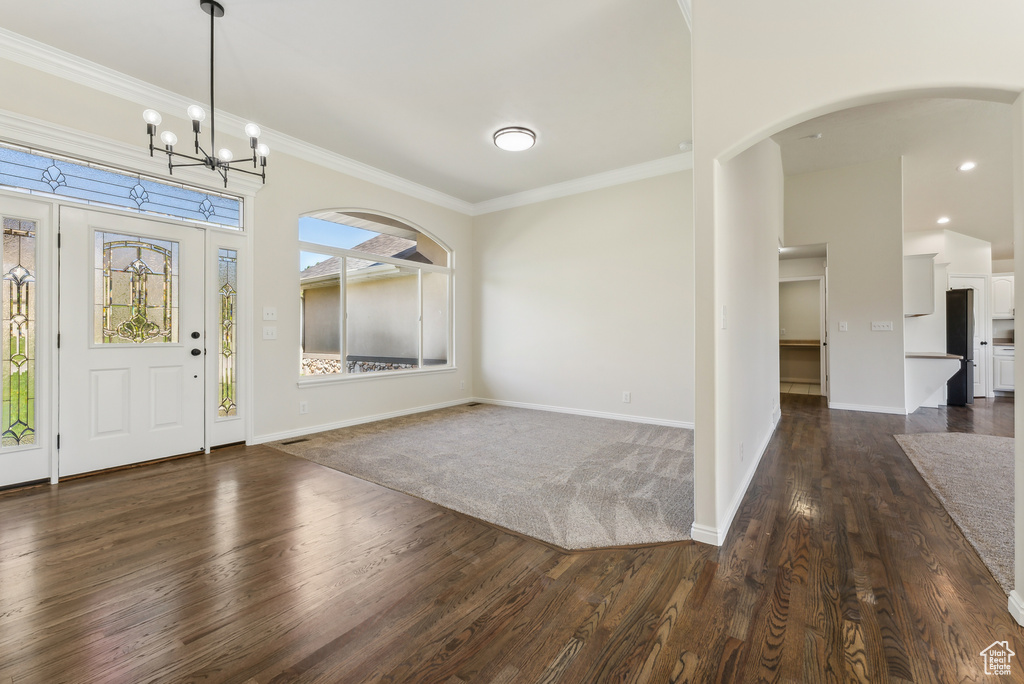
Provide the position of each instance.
(960, 341)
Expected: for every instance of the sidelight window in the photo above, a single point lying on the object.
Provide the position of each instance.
(19, 371)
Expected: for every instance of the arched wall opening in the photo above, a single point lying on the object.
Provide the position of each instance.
(754, 206)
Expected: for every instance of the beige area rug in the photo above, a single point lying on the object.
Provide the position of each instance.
(574, 481)
(973, 477)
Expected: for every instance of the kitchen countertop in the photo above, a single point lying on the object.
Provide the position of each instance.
(932, 355)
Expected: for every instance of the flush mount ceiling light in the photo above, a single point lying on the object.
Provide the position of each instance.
(222, 162)
(966, 166)
(515, 139)
(943, 219)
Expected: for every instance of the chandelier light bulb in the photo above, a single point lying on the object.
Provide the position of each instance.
(169, 138)
(225, 155)
(152, 117)
(196, 113)
(263, 150)
(252, 130)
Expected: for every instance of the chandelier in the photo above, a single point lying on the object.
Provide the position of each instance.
(224, 160)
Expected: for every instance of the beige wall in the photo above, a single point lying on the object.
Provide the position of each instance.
(795, 268)
(799, 310)
(740, 377)
(584, 297)
(858, 211)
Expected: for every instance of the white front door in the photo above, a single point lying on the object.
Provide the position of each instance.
(982, 366)
(131, 340)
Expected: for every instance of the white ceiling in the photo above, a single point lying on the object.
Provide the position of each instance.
(934, 136)
(413, 88)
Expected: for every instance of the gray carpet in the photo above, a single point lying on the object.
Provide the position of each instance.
(972, 475)
(574, 481)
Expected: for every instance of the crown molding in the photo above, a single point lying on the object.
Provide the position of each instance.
(628, 174)
(36, 55)
(48, 59)
(684, 5)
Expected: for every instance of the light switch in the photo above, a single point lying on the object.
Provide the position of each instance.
(270, 332)
(881, 326)
(270, 313)
(843, 327)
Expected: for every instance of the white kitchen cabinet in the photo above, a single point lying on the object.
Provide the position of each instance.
(1002, 296)
(918, 284)
(1002, 369)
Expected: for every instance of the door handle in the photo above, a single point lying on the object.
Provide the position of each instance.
(195, 336)
(197, 352)
(984, 341)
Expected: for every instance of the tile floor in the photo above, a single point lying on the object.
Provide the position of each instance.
(799, 388)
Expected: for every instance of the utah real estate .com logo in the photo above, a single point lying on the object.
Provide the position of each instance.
(997, 658)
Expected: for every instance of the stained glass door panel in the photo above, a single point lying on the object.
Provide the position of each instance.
(132, 340)
(23, 456)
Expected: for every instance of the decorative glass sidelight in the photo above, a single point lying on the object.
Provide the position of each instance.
(136, 300)
(19, 340)
(227, 280)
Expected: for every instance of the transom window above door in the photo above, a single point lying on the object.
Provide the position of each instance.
(375, 296)
(79, 181)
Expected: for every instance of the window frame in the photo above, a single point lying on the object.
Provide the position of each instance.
(344, 254)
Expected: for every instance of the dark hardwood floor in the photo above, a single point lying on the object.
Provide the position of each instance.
(252, 566)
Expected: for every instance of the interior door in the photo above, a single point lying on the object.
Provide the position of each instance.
(982, 362)
(131, 340)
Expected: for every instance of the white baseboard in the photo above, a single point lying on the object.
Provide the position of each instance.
(298, 432)
(584, 412)
(896, 410)
(716, 535)
(1016, 606)
(705, 535)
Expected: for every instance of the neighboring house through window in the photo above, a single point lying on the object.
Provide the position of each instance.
(375, 295)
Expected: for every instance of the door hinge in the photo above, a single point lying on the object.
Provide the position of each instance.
(58, 440)
(58, 340)
(58, 240)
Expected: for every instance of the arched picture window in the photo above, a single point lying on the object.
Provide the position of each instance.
(375, 295)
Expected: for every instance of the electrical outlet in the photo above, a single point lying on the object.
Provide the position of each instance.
(462, 385)
(303, 407)
(270, 332)
(881, 326)
(782, 331)
(741, 452)
(627, 397)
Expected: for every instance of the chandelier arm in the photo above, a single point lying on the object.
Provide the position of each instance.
(198, 160)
